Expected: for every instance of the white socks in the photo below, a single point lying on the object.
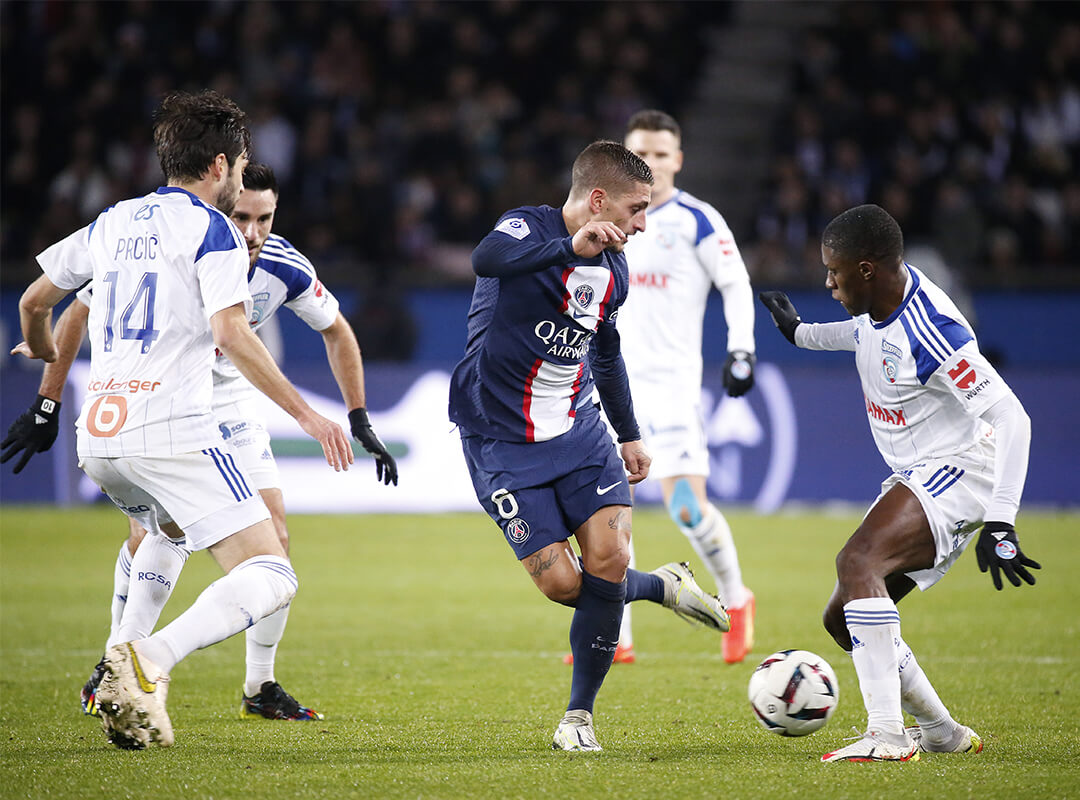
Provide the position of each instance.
(154, 569)
(252, 590)
(918, 698)
(121, 581)
(874, 625)
(711, 540)
(262, 644)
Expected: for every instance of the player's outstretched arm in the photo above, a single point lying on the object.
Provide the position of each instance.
(35, 430)
(998, 548)
(234, 337)
(343, 353)
(784, 315)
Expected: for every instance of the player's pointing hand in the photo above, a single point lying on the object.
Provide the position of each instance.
(595, 236)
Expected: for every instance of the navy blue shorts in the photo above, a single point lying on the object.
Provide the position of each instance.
(539, 493)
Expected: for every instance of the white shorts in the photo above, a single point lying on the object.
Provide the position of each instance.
(954, 492)
(672, 428)
(243, 430)
(205, 493)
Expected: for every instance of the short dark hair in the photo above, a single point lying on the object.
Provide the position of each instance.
(865, 233)
(650, 119)
(191, 129)
(259, 177)
(610, 166)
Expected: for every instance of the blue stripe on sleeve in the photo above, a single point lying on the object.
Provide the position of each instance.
(951, 330)
(925, 361)
(219, 237)
(296, 280)
(704, 227)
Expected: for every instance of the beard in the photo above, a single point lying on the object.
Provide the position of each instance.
(226, 200)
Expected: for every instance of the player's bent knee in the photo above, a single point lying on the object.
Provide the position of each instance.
(562, 589)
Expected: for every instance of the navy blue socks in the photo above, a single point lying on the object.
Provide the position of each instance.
(594, 634)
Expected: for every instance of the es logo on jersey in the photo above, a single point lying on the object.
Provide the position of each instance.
(514, 226)
(964, 376)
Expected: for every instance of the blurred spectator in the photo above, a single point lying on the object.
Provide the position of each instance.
(961, 119)
(397, 130)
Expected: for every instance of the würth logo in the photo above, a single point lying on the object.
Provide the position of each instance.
(962, 374)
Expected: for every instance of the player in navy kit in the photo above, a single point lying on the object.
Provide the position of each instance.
(541, 330)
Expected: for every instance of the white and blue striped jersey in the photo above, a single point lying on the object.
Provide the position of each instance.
(163, 264)
(281, 276)
(924, 380)
(685, 249)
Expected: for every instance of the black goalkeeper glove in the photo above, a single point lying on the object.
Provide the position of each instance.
(33, 432)
(783, 313)
(739, 373)
(385, 467)
(999, 549)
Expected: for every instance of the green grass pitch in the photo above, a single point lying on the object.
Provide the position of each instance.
(437, 664)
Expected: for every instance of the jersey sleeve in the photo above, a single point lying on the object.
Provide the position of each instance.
(720, 258)
(970, 379)
(314, 304)
(516, 247)
(67, 262)
(826, 335)
(221, 265)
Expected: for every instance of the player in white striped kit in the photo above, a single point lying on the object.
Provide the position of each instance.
(171, 277)
(956, 438)
(685, 250)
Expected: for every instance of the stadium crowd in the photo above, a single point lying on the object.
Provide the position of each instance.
(400, 130)
(961, 119)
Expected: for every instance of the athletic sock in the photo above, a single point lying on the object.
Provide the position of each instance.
(644, 586)
(874, 624)
(594, 635)
(918, 698)
(121, 582)
(154, 569)
(711, 540)
(254, 588)
(262, 644)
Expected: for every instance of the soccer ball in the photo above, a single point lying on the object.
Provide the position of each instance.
(793, 692)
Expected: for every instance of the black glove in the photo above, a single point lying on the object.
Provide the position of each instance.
(783, 313)
(385, 468)
(33, 432)
(739, 373)
(999, 549)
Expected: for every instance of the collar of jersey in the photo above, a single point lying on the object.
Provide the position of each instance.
(907, 299)
(176, 189)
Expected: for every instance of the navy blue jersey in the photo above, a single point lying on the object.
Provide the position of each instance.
(537, 312)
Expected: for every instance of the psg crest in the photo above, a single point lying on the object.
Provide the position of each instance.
(583, 295)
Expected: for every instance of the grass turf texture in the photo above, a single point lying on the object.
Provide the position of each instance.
(438, 667)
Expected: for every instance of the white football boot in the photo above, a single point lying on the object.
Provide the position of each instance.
(575, 733)
(964, 740)
(875, 746)
(131, 700)
(688, 600)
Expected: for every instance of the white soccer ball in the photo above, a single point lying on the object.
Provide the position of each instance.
(793, 692)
